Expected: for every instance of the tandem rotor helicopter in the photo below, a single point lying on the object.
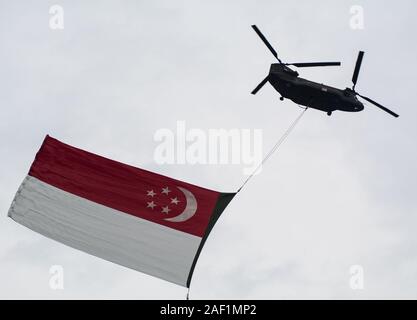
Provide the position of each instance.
(312, 94)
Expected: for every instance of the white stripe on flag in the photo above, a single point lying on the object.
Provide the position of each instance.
(104, 232)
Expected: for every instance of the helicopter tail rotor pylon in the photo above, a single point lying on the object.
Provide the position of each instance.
(355, 79)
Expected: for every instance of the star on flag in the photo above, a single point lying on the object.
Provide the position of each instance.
(151, 205)
(166, 190)
(151, 193)
(166, 209)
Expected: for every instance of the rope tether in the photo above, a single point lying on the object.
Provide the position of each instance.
(276, 146)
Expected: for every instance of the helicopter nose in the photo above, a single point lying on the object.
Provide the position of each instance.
(359, 107)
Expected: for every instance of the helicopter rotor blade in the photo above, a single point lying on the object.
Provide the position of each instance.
(259, 33)
(313, 64)
(378, 105)
(357, 68)
(260, 85)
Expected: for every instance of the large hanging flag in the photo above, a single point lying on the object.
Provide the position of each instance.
(132, 217)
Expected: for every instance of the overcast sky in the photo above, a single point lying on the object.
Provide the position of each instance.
(340, 192)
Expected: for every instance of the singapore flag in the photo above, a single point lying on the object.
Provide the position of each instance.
(132, 217)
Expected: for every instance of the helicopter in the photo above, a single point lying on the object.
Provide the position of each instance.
(312, 94)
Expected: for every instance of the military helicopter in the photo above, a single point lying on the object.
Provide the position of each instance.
(312, 94)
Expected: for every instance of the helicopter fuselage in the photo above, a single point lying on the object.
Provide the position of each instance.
(312, 94)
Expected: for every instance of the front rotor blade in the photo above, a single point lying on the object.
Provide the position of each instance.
(357, 68)
(378, 105)
(314, 64)
(259, 86)
(259, 33)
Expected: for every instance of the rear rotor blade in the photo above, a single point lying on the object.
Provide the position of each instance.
(357, 68)
(259, 33)
(314, 64)
(378, 105)
(259, 86)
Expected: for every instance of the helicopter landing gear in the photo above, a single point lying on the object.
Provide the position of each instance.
(281, 98)
(329, 113)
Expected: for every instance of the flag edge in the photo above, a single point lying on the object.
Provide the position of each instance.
(223, 201)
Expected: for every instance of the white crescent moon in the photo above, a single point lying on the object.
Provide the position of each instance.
(189, 210)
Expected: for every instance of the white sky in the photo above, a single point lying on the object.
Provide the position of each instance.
(340, 192)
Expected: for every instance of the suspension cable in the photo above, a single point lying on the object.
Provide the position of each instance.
(276, 146)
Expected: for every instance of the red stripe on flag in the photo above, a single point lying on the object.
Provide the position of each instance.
(135, 191)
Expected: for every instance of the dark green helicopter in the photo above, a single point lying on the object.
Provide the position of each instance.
(312, 94)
